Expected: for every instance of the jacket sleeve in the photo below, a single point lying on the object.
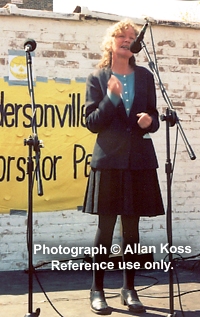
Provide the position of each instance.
(151, 104)
(99, 108)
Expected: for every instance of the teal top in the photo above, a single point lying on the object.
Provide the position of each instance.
(128, 83)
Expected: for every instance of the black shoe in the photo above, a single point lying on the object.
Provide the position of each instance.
(129, 297)
(98, 303)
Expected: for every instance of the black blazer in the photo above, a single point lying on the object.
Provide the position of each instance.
(121, 143)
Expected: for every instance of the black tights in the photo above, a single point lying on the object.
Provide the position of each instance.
(104, 235)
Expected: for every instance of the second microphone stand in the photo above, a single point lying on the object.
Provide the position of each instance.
(33, 145)
(171, 119)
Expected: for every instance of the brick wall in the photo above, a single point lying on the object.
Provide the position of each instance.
(67, 45)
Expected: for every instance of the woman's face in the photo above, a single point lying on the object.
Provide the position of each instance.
(121, 43)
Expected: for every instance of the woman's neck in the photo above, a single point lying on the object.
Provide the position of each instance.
(121, 67)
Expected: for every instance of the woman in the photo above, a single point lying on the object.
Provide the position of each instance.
(121, 109)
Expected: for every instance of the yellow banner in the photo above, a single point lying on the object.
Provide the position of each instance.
(68, 145)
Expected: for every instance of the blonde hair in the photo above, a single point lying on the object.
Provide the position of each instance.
(113, 31)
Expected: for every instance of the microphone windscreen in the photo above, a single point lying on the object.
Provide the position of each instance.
(31, 43)
(135, 47)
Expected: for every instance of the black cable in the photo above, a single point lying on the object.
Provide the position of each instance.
(179, 295)
(154, 50)
(164, 297)
(189, 257)
(156, 66)
(179, 291)
(45, 294)
(175, 152)
(146, 287)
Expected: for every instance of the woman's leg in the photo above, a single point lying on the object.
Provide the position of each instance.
(130, 237)
(103, 237)
(130, 228)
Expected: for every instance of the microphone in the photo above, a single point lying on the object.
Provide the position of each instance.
(136, 46)
(30, 45)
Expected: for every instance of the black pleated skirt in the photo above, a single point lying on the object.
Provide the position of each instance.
(123, 192)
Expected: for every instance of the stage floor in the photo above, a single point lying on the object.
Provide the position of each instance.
(68, 291)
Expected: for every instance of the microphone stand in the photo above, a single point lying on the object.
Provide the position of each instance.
(33, 144)
(171, 119)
